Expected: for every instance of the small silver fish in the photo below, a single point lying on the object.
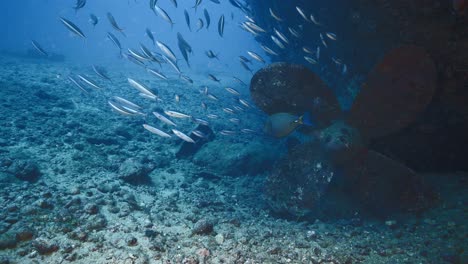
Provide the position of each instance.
(232, 91)
(277, 42)
(268, 50)
(156, 73)
(182, 136)
(221, 26)
(72, 27)
(167, 51)
(39, 48)
(140, 87)
(256, 56)
(164, 119)
(176, 114)
(156, 131)
(276, 17)
(302, 13)
(164, 15)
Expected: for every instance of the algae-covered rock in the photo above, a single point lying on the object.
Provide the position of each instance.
(235, 159)
(25, 170)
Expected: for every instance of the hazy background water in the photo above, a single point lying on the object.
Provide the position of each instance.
(39, 20)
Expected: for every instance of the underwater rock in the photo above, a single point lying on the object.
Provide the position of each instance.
(290, 88)
(135, 172)
(25, 170)
(188, 149)
(299, 181)
(24, 235)
(44, 247)
(7, 242)
(203, 227)
(249, 158)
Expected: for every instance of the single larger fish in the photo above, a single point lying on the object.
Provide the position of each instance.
(72, 27)
(184, 47)
(282, 124)
(207, 18)
(221, 26)
(114, 24)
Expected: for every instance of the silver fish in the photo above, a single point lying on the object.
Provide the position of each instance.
(140, 87)
(210, 54)
(77, 84)
(228, 110)
(119, 109)
(114, 40)
(166, 50)
(38, 48)
(174, 2)
(93, 20)
(213, 78)
(277, 42)
(244, 103)
(182, 136)
(72, 27)
(256, 56)
(314, 20)
(212, 97)
(164, 15)
(255, 27)
(197, 4)
(164, 119)
(246, 66)
(79, 4)
(150, 35)
(88, 81)
(200, 24)
(268, 50)
(207, 18)
(323, 41)
(302, 13)
(281, 36)
(114, 24)
(212, 116)
(176, 114)
(101, 72)
(186, 78)
(156, 73)
(232, 91)
(156, 131)
(276, 17)
(221, 26)
(226, 132)
(331, 35)
(187, 19)
(310, 60)
(126, 102)
(294, 32)
(173, 64)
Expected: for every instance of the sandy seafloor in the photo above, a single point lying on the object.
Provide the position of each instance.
(208, 209)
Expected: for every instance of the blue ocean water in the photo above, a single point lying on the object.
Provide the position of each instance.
(245, 131)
